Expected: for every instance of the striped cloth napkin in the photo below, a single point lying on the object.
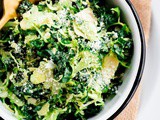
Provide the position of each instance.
(143, 8)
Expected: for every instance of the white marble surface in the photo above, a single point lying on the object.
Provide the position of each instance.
(150, 97)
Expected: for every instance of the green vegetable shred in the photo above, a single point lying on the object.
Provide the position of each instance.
(62, 59)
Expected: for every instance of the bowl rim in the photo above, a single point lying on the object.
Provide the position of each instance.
(141, 64)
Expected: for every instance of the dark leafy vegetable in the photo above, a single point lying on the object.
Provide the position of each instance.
(24, 7)
(61, 60)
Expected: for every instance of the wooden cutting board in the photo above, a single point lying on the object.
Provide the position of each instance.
(143, 8)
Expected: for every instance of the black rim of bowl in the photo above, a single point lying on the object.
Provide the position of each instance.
(141, 65)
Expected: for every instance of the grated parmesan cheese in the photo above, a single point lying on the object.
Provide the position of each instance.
(16, 47)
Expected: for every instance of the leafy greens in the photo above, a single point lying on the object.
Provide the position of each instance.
(61, 60)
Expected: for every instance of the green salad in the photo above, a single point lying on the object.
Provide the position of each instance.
(62, 59)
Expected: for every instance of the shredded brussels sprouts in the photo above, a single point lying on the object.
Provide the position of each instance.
(61, 60)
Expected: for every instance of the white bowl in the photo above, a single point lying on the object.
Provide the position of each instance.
(132, 76)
